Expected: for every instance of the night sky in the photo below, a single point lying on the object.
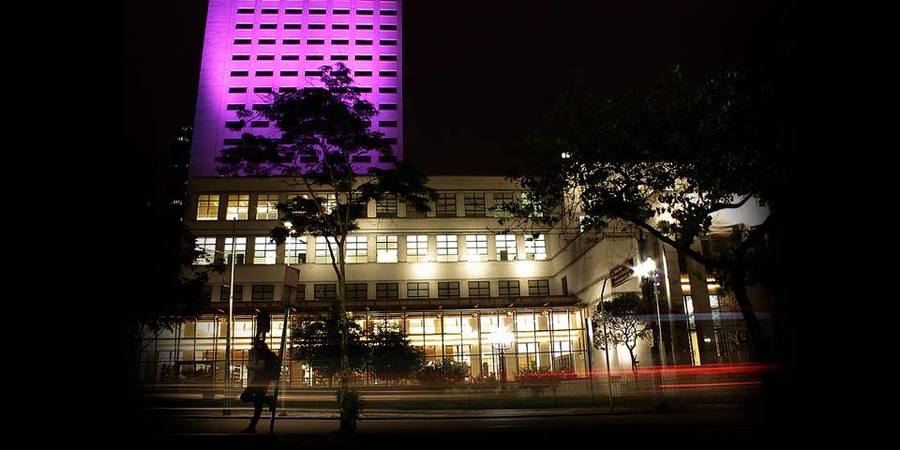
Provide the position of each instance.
(477, 74)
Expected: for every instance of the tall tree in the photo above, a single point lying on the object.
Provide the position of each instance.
(324, 129)
(666, 159)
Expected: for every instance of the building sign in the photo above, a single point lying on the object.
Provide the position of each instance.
(621, 273)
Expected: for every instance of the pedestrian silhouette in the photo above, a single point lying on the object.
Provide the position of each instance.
(264, 366)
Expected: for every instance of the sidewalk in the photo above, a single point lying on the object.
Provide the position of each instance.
(394, 414)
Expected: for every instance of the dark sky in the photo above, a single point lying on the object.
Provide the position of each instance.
(477, 74)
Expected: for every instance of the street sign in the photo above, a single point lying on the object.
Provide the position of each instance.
(621, 273)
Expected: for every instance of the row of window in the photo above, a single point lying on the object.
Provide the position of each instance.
(308, 73)
(313, 41)
(237, 125)
(356, 249)
(311, 57)
(445, 205)
(260, 107)
(391, 290)
(269, 89)
(319, 11)
(314, 26)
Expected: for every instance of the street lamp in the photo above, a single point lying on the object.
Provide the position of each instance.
(646, 270)
(502, 338)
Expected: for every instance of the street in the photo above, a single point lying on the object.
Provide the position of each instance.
(540, 429)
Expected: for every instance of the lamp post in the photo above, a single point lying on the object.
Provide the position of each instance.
(502, 338)
(646, 271)
(230, 325)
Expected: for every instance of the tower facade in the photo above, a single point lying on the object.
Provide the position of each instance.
(253, 48)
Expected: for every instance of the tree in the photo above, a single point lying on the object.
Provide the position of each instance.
(391, 356)
(666, 159)
(323, 130)
(317, 342)
(445, 372)
(620, 322)
(173, 290)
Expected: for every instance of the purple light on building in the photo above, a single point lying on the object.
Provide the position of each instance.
(252, 48)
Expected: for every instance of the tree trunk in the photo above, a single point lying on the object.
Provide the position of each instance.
(739, 287)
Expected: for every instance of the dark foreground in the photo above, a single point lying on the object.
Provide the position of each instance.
(741, 428)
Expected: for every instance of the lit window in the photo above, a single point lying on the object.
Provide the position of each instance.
(535, 247)
(386, 248)
(264, 250)
(448, 289)
(387, 290)
(447, 247)
(715, 311)
(476, 247)
(267, 207)
(208, 207)
(295, 250)
(323, 256)
(509, 288)
(474, 204)
(417, 289)
(506, 247)
(386, 207)
(689, 311)
(357, 249)
(238, 207)
(525, 322)
(417, 248)
(561, 321)
(538, 287)
(445, 205)
(329, 202)
(239, 249)
(207, 245)
(479, 289)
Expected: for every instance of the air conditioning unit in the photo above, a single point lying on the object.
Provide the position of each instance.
(504, 255)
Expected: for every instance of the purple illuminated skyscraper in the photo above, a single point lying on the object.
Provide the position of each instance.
(254, 47)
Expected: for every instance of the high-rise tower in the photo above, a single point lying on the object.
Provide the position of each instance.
(255, 47)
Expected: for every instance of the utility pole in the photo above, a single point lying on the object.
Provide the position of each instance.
(230, 324)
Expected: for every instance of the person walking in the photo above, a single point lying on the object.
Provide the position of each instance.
(264, 366)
